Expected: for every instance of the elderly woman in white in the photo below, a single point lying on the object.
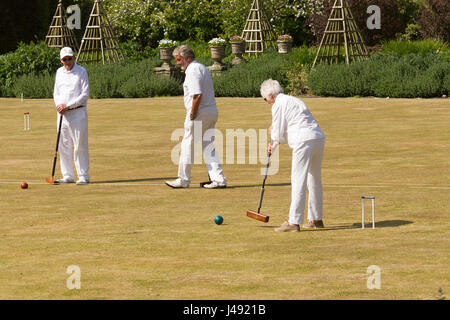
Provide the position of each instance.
(292, 122)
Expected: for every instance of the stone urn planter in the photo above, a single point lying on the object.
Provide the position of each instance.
(165, 54)
(217, 54)
(238, 49)
(284, 46)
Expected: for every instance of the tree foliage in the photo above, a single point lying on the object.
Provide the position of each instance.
(149, 21)
(435, 20)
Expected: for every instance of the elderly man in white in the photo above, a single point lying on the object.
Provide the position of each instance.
(200, 104)
(292, 122)
(71, 93)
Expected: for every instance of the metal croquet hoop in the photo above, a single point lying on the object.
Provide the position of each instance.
(373, 211)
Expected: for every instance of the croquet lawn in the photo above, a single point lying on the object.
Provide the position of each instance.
(133, 237)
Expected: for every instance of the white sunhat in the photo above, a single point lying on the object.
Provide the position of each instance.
(65, 52)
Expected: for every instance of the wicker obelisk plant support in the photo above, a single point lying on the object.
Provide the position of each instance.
(99, 43)
(258, 32)
(342, 40)
(59, 35)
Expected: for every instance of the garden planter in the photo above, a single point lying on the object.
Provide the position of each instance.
(165, 54)
(284, 46)
(238, 49)
(217, 54)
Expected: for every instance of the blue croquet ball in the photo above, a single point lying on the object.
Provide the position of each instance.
(218, 220)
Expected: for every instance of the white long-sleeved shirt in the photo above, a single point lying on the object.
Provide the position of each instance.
(71, 87)
(292, 122)
(199, 81)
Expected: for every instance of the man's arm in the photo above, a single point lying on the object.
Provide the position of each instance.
(277, 129)
(60, 107)
(195, 105)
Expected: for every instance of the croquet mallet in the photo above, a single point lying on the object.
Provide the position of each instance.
(52, 180)
(256, 214)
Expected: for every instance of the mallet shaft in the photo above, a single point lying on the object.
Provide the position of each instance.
(57, 145)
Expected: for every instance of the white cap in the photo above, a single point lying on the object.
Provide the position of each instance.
(65, 52)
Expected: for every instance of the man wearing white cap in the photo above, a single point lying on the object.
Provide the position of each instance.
(70, 94)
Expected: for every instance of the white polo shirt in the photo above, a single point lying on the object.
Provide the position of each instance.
(199, 81)
(71, 87)
(292, 122)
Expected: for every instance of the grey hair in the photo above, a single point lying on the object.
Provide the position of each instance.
(272, 87)
(184, 51)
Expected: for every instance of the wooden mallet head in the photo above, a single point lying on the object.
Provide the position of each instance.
(258, 216)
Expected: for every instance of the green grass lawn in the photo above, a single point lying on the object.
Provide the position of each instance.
(135, 238)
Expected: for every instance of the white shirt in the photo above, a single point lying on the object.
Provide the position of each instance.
(71, 87)
(199, 81)
(292, 122)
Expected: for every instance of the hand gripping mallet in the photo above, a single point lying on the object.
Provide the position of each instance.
(257, 215)
(52, 181)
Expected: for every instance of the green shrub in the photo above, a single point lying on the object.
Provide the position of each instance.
(150, 85)
(412, 76)
(4, 92)
(127, 79)
(302, 55)
(28, 59)
(106, 81)
(383, 75)
(403, 48)
(34, 86)
(244, 80)
(297, 79)
(298, 67)
(133, 51)
(446, 84)
(326, 80)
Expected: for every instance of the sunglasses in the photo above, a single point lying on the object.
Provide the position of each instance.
(67, 59)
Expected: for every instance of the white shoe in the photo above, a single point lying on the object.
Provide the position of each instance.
(215, 185)
(178, 183)
(82, 181)
(65, 180)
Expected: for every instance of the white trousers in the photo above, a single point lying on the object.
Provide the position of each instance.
(73, 144)
(205, 122)
(306, 173)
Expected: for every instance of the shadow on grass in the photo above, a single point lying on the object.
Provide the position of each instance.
(379, 224)
(259, 185)
(133, 180)
(383, 224)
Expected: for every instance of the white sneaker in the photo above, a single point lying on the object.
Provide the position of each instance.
(215, 185)
(65, 180)
(82, 181)
(178, 183)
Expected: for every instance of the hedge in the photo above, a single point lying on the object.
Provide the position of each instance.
(244, 80)
(393, 72)
(384, 75)
(126, 80)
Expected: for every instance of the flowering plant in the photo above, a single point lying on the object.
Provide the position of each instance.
(285, 37)
(237, 39)
(216, 42)
(165, 43)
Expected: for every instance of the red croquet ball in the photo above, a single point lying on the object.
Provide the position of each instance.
(24, 185)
